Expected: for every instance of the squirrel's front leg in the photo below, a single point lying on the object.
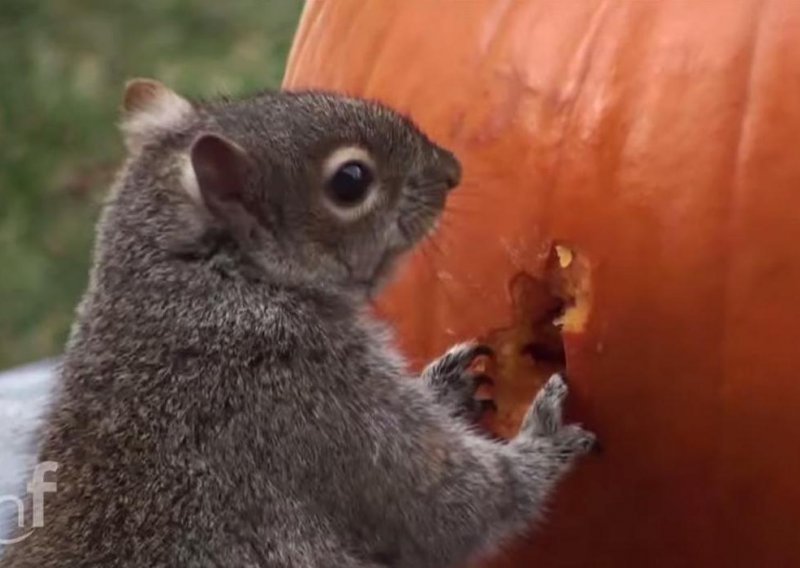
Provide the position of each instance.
(453, 381)
(448, 496)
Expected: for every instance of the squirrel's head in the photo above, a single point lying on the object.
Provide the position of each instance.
(332, 186)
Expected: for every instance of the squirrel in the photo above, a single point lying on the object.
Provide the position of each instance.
(227, 397)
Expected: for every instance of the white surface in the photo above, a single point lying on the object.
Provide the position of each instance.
(24, 393)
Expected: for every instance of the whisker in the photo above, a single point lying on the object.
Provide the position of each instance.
(431, 240)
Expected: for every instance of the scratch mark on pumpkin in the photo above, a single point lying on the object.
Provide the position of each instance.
(735, 187)
(582, 62)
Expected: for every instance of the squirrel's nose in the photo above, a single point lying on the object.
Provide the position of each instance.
(451, 168)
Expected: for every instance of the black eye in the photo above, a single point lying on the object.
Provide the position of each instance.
(350, 184)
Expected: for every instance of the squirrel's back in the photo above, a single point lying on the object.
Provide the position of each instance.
(164, 409)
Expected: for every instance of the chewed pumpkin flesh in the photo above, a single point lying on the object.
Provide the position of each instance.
(656, 142)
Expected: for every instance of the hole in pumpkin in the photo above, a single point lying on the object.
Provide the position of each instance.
(532, 348)
(543, 351)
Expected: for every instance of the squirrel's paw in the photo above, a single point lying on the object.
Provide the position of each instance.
(545, 420)
(454, 382)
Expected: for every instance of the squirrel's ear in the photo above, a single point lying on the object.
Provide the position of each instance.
(221, 168)
(150, 108)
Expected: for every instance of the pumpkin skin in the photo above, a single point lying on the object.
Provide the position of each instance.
(656, 140)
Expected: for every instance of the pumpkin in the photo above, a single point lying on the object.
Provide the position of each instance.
(630, 211)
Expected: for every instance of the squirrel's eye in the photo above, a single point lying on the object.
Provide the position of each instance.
(350, 183)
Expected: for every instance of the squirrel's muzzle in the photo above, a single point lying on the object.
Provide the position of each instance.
(451, 168)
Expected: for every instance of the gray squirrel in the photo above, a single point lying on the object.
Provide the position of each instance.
(228, 400)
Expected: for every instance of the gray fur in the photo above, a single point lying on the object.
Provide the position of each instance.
(227, 399)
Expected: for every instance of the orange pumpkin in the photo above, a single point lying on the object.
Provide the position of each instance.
(635, 164)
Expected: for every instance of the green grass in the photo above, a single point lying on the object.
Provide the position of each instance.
(62, 67)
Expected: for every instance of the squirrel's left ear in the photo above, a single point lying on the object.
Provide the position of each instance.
(148, 109)
(221, 168)
(217, 177)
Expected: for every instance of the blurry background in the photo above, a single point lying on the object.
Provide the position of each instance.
(62, 67)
